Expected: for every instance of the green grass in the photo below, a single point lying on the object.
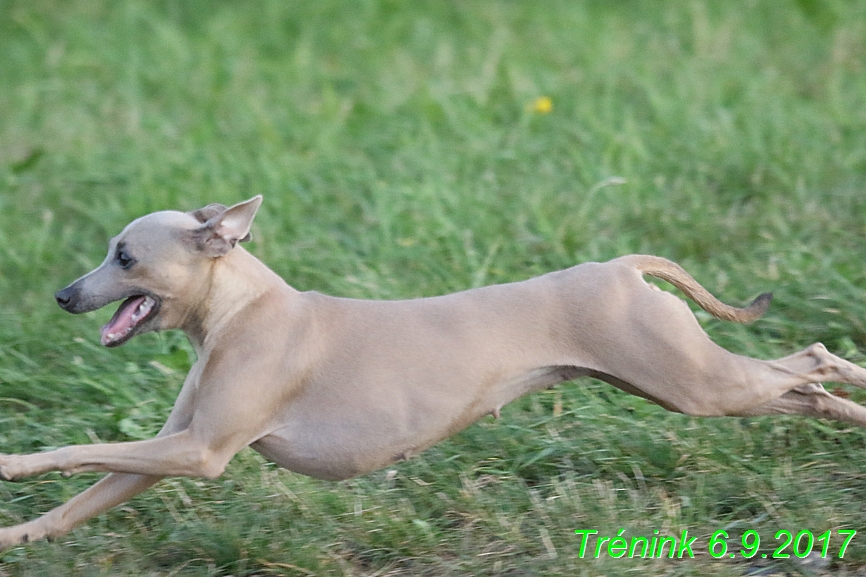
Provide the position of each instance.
(399, 155)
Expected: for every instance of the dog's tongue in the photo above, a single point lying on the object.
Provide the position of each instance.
(122, 321)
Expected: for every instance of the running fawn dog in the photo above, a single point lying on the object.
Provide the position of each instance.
(335, 387)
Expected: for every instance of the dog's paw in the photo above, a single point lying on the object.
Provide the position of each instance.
(9, 537)
(7, 472)
(19, 535)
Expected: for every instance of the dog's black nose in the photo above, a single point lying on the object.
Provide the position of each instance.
(64, 297)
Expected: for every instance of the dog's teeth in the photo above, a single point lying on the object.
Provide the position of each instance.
(142, 309)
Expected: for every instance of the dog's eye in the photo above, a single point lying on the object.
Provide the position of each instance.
(124, 260)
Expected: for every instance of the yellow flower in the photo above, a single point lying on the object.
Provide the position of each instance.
(542, 105)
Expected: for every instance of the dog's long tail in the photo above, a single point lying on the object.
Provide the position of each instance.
(673, 273)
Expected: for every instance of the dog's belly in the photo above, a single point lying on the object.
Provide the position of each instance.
(333, 452)
(325, 459)
(353, 438)
(280, 448)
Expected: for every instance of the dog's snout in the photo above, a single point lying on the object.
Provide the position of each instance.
(66, 297)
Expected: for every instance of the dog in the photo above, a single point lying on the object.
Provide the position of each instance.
(334, 387)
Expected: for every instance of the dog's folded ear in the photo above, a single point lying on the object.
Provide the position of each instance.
(223, 227)
(206, 213)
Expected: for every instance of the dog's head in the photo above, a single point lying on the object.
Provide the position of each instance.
(159, 267)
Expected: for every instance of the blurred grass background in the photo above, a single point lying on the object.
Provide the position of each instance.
(402, 152)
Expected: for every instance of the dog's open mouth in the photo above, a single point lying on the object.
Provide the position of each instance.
(131, 314)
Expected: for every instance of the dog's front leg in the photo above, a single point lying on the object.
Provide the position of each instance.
(197, 440)
(107, 493)
(178, 454)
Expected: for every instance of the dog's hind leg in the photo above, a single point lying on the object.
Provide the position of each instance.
(812, 400)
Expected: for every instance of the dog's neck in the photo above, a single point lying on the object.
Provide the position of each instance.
(235, 281)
